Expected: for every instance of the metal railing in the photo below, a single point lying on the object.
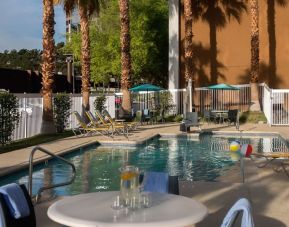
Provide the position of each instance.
(30, 179)
(205, 99)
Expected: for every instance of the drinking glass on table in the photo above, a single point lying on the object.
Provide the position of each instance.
(129, 184)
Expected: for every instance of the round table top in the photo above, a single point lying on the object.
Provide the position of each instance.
(94, 209)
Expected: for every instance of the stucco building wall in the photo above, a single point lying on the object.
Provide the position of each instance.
(233, 45)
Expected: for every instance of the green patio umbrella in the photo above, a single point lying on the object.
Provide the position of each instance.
(147, 88)
(222, 87)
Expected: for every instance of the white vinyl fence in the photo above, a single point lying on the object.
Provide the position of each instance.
(280, 106)
(267, 103)
(30, 108)
(276, 105)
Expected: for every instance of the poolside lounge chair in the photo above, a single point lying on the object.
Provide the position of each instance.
(116, 128)
(191, 120)
(8, 220)
(129, 125)
(86, 129)
(269, 157)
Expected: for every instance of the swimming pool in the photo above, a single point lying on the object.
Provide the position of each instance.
(203, 158)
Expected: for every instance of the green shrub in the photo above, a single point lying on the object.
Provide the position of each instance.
(169, 118)
(99, 103)
(178, 118)
(166, 103)
(252, 117)
(61, 111)
(9, 116)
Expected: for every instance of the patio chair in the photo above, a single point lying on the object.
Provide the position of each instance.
(160, 182)
(241, 206)
(92, 127)
(8, 218)
(207, 116)
(116, 128)
(233, 117)
(191, 120)
(146, 117)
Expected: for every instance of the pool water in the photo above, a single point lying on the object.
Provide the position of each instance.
(199, 159)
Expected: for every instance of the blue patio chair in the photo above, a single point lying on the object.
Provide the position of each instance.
(160, 182)
(25, 217)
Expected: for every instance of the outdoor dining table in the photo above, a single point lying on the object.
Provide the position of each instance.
(220, 114)
(94, 209)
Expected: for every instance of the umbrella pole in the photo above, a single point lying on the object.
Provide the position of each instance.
(147, 99)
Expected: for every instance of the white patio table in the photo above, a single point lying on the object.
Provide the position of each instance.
(94, 209)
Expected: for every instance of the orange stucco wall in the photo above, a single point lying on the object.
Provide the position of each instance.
(233, 43)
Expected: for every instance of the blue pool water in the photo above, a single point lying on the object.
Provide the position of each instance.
(200, 159)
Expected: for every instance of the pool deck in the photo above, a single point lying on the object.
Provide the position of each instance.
(267, 190)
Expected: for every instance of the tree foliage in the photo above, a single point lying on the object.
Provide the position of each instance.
(99, 103)
(30, 59)
(149, 42)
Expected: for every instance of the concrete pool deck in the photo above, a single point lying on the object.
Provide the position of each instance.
(267, 190)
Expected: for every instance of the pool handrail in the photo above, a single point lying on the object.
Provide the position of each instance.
(31, 163)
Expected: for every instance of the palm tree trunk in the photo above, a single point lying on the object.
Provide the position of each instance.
(188, 39)
(85, 57)
(125, 54)
(48, 65)
(189, 47)
(254, 8)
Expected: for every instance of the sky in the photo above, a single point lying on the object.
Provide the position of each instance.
(21, 24)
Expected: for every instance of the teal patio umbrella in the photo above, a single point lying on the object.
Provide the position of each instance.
(222, 87)
(147, 88)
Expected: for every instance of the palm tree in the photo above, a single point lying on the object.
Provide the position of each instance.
(125, 54)
(48, 65)
(254, 10)
(85, 8)
(188, 13)
(217, 13)
(188, 39)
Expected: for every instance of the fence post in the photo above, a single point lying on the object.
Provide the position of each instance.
(25, 114)
(271, 107)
